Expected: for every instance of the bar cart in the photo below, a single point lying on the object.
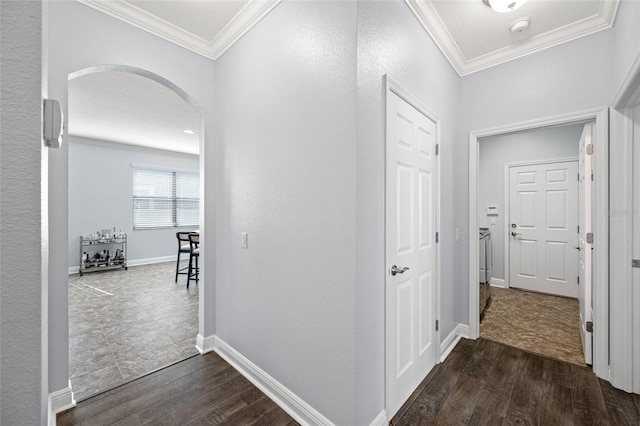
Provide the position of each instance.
(102, 251)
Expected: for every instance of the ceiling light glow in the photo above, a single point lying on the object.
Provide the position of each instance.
(503, 6)
(189, 131)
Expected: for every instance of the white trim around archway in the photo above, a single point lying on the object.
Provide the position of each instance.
(64, 399)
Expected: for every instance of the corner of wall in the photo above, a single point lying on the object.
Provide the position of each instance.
(295, 406)
(449, 343)
(60, 401)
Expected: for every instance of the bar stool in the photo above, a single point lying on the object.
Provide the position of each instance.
(194, 242)
(184, 246)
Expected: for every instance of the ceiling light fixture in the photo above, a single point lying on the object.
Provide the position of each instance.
(189, 131)
(502, 6)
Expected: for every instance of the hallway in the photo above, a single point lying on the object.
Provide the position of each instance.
(483, 382)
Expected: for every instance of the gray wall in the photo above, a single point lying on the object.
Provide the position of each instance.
(496, 152)
(298, 200)
(625, 41)
(79, 37)
(391, 41)
(301, 142)
(101, 194)
(286, 106)
(23, 196)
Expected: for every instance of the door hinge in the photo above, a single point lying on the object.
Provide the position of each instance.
(437, 149)
(578, 229)
(590, 237)
(590, 149)
(591, 176)
(590, 326)
(635, 263)
(437, 325)
(578, 177)
(437, 237)
(578, 279)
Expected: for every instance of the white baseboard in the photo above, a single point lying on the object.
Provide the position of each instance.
(137, 262)
(297, 408)
(447, 345)
(205, 344)
(498, 282)
(152, 260)
(59, 401)
(380, 420)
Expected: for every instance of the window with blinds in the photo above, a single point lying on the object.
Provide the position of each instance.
(165, 198)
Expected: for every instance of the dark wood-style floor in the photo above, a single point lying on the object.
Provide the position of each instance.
(202, 390)
(480, 383)
(487, 383)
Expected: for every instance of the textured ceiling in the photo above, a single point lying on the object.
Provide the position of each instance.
(207, 27)
(473, 37)
(478, 30)
(468, 32)
(203, 18)
(130, 109)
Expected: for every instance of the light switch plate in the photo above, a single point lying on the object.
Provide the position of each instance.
(245, 240)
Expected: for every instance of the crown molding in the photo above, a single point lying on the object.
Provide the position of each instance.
(628, 95)
(437, 30)
(249, 16)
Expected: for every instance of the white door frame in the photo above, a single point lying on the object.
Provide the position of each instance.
(204, 310)
(392, 87)
(507, 197)
(625, 366)
(600, 224)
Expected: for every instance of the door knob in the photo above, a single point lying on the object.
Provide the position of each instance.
(395, 270)
(577, 247)
(515, 234)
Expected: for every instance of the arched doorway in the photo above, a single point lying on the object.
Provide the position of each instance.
(124, 325)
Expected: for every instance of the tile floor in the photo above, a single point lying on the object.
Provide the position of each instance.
(124, 324)
(539, 323)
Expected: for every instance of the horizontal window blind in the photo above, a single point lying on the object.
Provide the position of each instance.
(165, 198)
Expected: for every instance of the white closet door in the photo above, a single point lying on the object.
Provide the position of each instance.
(412, 346)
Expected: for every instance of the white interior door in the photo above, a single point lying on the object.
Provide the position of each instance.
(584, 246)
(543, 221)
(411, 293)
